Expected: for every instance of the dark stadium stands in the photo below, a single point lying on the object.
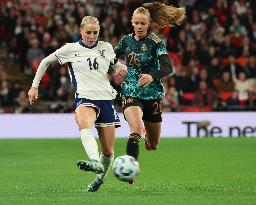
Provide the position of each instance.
(217, 37)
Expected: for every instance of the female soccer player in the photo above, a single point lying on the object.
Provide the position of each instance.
(147, 62)
(88, 61)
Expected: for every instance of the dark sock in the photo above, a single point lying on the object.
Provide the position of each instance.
(132, 147)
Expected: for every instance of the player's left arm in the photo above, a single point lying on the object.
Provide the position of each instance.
(165, 69)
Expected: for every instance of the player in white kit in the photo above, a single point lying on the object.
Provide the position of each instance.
(88, 61)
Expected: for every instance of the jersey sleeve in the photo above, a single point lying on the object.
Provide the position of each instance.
(63, 54)
(160, 49)
(111, 54)
(120, 48)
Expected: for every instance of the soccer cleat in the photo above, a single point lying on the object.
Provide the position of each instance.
(132, 181)
(147, 145)
(91, 165)
(95, 185)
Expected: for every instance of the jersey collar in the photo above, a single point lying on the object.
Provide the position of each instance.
(133, 36)
(82, 44)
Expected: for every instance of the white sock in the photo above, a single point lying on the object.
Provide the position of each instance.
(90, 144)
(106, 162)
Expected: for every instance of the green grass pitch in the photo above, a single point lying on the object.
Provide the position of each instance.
(182, 171)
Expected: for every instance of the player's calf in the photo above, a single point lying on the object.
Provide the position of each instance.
(132, 148)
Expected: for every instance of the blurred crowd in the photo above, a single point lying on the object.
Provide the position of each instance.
(213, 51)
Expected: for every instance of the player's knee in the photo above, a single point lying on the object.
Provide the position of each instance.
(83, 124)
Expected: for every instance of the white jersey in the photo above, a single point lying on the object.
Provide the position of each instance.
(88, 69)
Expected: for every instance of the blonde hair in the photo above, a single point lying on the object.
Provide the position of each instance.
(89, 20)
(143, 11)
(162, 14)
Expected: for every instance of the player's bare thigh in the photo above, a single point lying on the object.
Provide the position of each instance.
(85, 117)
(133, 115)
(107, 140)
(153, 130)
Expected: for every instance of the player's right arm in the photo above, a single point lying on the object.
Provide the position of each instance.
(59, 57)
(47, 62)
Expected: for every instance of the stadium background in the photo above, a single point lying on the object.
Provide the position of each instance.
(214, 48)
(216, 44)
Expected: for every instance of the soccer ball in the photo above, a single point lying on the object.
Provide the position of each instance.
(125, 168)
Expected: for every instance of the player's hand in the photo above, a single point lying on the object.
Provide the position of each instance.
(145, 80)
(32, 95)
(121, 70)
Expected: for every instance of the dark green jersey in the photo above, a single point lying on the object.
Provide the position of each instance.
(141, 57)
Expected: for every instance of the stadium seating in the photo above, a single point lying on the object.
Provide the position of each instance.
(225, 95)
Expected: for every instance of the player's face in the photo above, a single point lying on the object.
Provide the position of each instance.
(90, 34)
(140, 24)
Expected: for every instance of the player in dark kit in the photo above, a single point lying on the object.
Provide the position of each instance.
(147, 62)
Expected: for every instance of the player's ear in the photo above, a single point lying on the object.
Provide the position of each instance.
(132, 20)
(132, 23)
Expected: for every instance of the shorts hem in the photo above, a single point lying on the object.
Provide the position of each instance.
(97, 110)
(116, 124)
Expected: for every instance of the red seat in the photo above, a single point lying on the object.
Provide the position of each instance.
(225, 95)
(189, 96)
(243, 102)
(35, 65)
(175, 58)
(206, 109)
(189, 109)
(8, 110)
(195, 109)
(46, 78)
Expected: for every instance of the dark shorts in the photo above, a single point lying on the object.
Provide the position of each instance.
(152, 109)
(106, 113)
